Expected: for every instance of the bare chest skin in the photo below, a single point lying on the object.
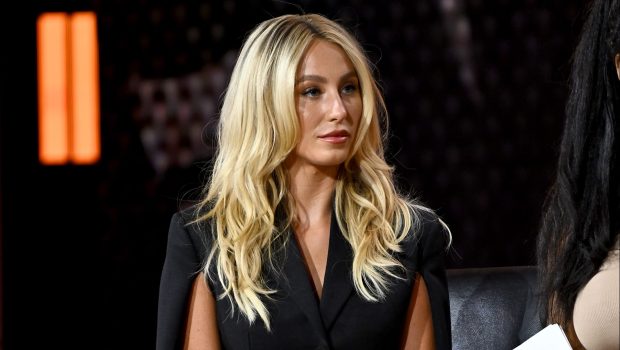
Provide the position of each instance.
(313, 242)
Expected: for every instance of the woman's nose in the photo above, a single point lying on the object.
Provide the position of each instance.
(337, 109)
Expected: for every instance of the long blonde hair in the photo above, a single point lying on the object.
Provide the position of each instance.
(258, 129)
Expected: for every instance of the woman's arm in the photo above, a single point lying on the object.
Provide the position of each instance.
(419, 333)
(201, 329)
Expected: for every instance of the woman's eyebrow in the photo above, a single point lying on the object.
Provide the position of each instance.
(321, 79)
(311, 77)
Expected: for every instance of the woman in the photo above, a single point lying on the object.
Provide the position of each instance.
(302, 241)
(578, 242)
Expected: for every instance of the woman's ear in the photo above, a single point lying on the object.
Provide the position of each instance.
(617, 62)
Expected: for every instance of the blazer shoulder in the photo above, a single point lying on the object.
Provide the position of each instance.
(428, 240)
(428, 231)
(198, 234)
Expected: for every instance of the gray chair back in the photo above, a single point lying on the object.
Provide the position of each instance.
(493, 308)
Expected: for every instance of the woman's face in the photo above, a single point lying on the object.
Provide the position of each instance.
(329, 105)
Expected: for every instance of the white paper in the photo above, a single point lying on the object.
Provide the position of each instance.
(551, 337)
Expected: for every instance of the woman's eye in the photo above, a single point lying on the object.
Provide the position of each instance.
(311, 92)
(349, 88)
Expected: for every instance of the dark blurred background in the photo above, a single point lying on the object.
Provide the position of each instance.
(475, 91)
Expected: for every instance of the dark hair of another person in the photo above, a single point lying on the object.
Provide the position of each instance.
(581, 211)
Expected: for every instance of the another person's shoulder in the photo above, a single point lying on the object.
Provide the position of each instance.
(595, 313)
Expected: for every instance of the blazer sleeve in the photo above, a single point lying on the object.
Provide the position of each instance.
(433, 245)
(181, 264)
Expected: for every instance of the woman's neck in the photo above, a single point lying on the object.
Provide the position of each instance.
(312, 189)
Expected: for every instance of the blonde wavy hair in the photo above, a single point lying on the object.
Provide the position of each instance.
(258, 129)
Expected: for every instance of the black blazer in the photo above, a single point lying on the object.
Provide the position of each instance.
(341, 319)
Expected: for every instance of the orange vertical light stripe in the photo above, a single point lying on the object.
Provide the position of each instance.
(84, 89)
(52, 88)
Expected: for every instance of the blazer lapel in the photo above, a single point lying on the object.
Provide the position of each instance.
(299, 287)
(337, 284)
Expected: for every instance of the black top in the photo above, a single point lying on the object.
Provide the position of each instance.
(341, 319)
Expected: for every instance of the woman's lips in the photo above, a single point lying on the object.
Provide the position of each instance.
(335, 137)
